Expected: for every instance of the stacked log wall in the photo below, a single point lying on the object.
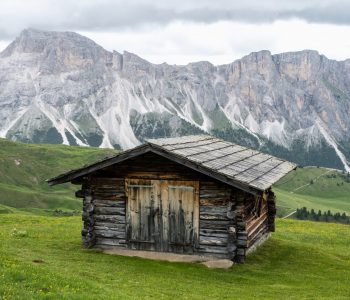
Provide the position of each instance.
(105, 207)
(215, 219)
(257, 220)
(241, 226)
(271, 206)
(88, 235)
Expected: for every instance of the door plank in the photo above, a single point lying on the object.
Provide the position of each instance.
(183, 206)
(142, 219)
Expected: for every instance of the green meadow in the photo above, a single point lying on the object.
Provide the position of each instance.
(25, 167)
(313, 188)
(42, 258)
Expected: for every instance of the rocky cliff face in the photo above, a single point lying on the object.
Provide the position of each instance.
(60, 87)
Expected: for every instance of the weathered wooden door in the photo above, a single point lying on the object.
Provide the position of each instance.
(180, 215)
(162, 215)
(143, 218)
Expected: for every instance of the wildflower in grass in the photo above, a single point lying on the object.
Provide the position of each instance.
(18, 233)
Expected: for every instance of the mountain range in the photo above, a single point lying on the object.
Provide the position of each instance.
(63, 88)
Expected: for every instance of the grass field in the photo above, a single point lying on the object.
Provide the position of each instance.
(330, 190)
(43, 259)
(25, 167)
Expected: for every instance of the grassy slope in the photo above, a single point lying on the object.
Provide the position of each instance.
(303, 260)
(23, 186)
(323, 194)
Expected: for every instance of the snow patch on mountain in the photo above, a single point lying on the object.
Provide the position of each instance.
(10, 123)
(332, 143)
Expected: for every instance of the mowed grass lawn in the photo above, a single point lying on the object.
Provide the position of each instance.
(302, 260)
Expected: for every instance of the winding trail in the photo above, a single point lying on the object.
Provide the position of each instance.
(314, 179)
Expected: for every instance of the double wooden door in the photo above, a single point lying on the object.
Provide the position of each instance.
(162, 215)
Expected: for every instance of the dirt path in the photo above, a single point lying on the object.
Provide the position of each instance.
(314, 180)
(287, 216)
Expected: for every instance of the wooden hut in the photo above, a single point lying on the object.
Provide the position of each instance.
(192, 194)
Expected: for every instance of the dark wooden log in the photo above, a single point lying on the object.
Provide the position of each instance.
(104, 193)
(261, 238)
(109, 226)
(213, 241)
(110, 242)
(241, 242)
(261, 224)
(88, 235)
(212, 216)
(107, 210)
(213, 235)
(212, 249)
(108, 196)
(102, 181)
(242, 235)
(89, 221)
(89, 208)
(214, 224)
(241, 225)
(109, 203)
(271, 206)
(87, 199)
(110, 234)
(253, 238)
(109, 189)
(256, 221)
(110, 219)
(221, 209)
(89, 239)
(205, 231)
(231, 249)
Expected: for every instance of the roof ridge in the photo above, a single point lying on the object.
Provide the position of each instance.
(207, 137)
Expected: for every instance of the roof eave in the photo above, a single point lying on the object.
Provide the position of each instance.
(74, 174)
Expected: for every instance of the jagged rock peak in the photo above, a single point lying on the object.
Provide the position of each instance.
(36, 41)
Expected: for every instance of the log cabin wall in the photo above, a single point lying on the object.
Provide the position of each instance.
(103, 212)
(228, 221)
(259, 218)
(216, 218)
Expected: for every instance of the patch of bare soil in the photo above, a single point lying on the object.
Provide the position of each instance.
(210, 262)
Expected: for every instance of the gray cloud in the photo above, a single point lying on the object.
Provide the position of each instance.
(105, 15)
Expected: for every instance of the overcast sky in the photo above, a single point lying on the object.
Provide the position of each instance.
(181, 31)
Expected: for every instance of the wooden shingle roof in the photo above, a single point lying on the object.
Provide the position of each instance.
(241, 164)
(236, 165)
